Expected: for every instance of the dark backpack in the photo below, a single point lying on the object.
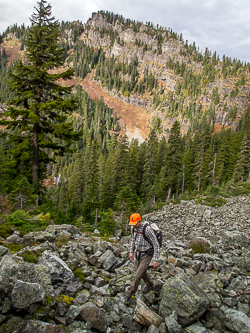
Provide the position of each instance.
(156, 229)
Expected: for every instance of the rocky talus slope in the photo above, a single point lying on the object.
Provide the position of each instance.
(202, 284)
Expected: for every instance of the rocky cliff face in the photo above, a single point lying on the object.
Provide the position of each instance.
(155, 62)
(202, 284)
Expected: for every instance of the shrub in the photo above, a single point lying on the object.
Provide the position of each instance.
(199, 245)
(5, 230)
(210, 201)
(79, 274)
(24, 222)
(61, 240)
(31, 256)
(15, 247)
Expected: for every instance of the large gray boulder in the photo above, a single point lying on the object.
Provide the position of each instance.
(211, 284)
(181, 295)
(25, 293)
(38, 236)
(124, 276)
(107, 260)
(91, 313)
(18, 325)
(14, 268)
(58, 268)
(229, 319)
(232, 239)
(60, 229)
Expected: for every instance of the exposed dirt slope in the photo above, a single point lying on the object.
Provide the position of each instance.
(133, 120)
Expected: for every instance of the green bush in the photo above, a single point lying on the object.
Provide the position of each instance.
(30, 258)
(199, 245)
(5, 230)
(15, 247)
(25, 223)
(79, 274)
(211, 201)
(241, 189)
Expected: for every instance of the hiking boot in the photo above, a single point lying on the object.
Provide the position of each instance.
(148, 288)
(127, 300)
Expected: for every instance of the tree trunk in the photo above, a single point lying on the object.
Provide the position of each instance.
(169, 192)
(215, 157)
(183, 180)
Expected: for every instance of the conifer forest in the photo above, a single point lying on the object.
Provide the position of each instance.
(64, 155)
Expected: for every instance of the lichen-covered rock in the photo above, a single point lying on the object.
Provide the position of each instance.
(38, 236)
(181, 295)
(58, 268)
(3, 250)
(123, 278)
(76, 327)
(14, 268)
(152, 329)
(172, 324)
(58, 229)
(211, 284)
(93, 259)
(82, 297)
(107, 260)
(229, 319)
(18, 325)
(25, 294)
(230, 239)
(91, 313)
(244, 260)
(130, 323)
(196, 328)
(72, 313)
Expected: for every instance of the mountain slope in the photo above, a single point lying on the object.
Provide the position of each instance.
(149, 77)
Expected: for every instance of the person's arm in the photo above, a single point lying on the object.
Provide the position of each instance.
(132, 245)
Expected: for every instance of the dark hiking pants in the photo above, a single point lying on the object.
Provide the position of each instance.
(141, 273)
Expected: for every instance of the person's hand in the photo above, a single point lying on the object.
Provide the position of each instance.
(131, 256)
(155, 264)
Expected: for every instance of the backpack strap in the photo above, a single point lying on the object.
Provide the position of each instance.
(134, 234)
(144, 233)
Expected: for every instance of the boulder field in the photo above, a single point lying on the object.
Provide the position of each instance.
(77, 282)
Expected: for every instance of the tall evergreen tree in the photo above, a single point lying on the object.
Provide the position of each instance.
(38, 113)
(223, 158)
(172, 169)
(132, 167)
(150, 165)
(242, 167)
(76, 182)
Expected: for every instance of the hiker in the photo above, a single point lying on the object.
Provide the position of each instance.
(145, 248)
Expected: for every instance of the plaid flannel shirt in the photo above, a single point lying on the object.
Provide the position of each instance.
(140, 244)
